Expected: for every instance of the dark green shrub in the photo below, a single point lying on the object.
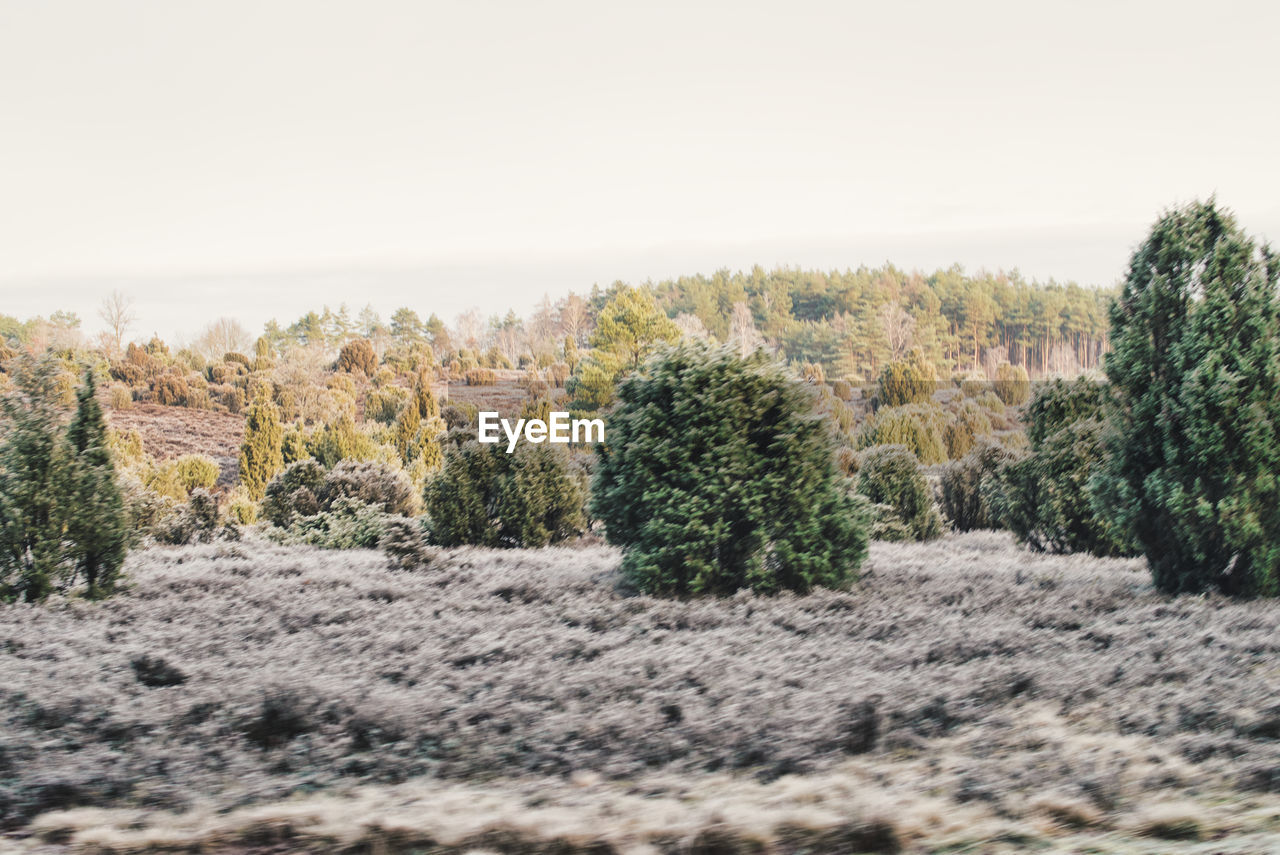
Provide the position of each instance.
(1012, 385)
(968, 484)
(716, 476)
(1194, 468)
(891, 477)
(911, 381)
(1046, 498)
(294, 492)
(920, 427)
(486, 497)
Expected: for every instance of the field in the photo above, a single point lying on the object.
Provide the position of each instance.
(965, 696)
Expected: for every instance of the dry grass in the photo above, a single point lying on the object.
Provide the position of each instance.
(170, 432)
(964, 694)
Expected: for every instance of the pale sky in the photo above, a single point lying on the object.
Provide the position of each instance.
(261, 158)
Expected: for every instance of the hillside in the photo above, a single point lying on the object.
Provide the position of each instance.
(965, 695)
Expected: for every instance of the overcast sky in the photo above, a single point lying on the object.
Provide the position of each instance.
(261, 158)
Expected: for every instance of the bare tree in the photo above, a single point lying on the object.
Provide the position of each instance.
(222, 336)
(742, 330)
(117, 313)
(899, 329)
(574, 318)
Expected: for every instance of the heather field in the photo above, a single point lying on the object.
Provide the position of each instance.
(965, 696)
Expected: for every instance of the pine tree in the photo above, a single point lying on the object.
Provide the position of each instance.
(261, 454)
(97, 530)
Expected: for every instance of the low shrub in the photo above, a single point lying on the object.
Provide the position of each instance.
(383, 404)
(481, 377)
(119, 396)
(358, 355)
(404, 542)
(891, 477)
(843, 390)
(170, 390)
(197, 471)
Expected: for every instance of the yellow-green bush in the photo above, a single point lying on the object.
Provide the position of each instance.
(1011, 384)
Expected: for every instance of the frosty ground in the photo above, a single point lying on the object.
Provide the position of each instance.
(965, 695)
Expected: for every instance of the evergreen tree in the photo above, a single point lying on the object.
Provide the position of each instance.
(34, 476)
(1194, 470)
(97, 531)
(717, 475)
(261, 453)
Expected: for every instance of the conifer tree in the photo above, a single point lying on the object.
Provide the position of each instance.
(97, 530)
(1194, 468)
(261, 454)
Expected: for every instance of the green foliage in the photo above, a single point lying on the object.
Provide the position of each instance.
(261, 453)
(348, 524)
(968, 423)
(197, 471)
(911, 381)
(293, 492)
(919, 427)
(968, 484)
(1194, 468)
(384, 404)
(97, 534)
(1011, 384)
(717, 476)
(358, 355)
(591, 387)
(890, 476)
(486, 497)
(62, 515)
(1046, 498)
(630, 325)
(419, 427)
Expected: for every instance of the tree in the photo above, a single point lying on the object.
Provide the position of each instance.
(406, 326)
(34, 475)
(97, 532)
(630, 325)
(1194, 469)
(117, 313)
(261, 453)
(717, 475)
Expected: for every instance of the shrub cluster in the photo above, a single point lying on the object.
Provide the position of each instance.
(890, 476)
(968, 485)
(910, 381)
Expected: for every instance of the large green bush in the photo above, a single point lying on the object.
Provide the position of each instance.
(1046, 498)
(910, 381)
(484, 496)
(716, 475)
(968, 485)
(920, 427)
(1194, 469)
(890, 476)
(1012, 385)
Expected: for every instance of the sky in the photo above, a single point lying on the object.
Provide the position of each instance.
(258, 159)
